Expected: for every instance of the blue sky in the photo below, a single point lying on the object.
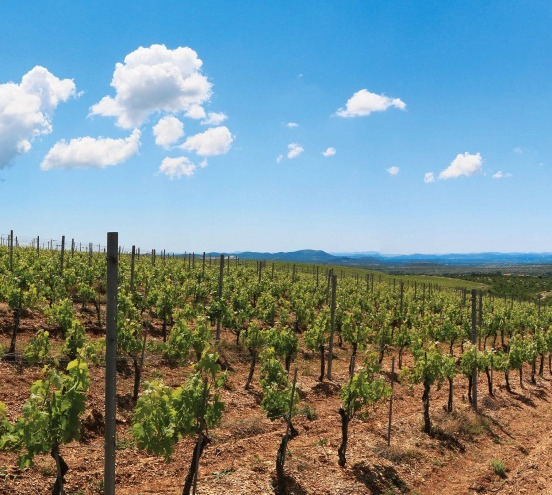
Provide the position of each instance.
(438, 115)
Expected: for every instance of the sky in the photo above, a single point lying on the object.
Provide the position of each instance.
(396, 127)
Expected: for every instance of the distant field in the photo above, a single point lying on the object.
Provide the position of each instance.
(345, 271)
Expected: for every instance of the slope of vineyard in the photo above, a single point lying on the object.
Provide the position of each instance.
(383, 318)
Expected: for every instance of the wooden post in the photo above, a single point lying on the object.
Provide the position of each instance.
(111, 363)
(391, 401)
(132, 257)
(221, 278)
(474, 342)
(332, 327)
(480, 316)
(203, 266)
(72, 247)
(11, 250)
(62, 255)
(402, 297)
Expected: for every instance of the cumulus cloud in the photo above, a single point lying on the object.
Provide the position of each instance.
(214, 118)
(393, 170)
(178, 167)
(329, 152)
(294, 150)
(279, 158)
(168, 131)
(429, 177)
(364, 103)
(463, 164)
(27, 109)
(88, 152)
(292, 124)
(155, 79)
(196, 112)
(501, 175)
(214, 141)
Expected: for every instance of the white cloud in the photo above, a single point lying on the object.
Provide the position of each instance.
(518, 150)
(88, 152)
(294, 150)
(214, 141)
(329, 152)
(292, 124)
(501, 175)
(203, 163)
(393, 170)
(175, 168)
(364, 103)
(429, 177)
(463, 164)
(168, 131)
(279, 158)
(155, 79)
(196, 112)
(27, 109)
(214, 118)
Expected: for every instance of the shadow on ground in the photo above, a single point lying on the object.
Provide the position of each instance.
(380, 479)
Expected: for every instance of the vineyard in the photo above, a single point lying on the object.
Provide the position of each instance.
(258, 377)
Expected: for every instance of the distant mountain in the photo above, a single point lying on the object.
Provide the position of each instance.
(373, 259)
(302, 256)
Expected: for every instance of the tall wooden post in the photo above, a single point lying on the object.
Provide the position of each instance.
(132, 258)
(62, 255)
(221, 278)
(391, 401)
(332, 327)
(480, 316)
(11, 250)
(111, 363)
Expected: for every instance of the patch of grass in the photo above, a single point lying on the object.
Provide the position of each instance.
(399, 454)
(322, 442)
(224, 472)
(310, 412)
(499, 467)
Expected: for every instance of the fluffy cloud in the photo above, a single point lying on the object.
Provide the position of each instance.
(27, 108)
(88, 152)
(214, 118)
(168, 130)
(175, 168)
(279, 158)
(294, 150)
(393, 170)
(501, 175)
(429, 177)
(364, 103)
(329, 152)
(292, 124)
(214, 141)
(463, 164)
(155, 79)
